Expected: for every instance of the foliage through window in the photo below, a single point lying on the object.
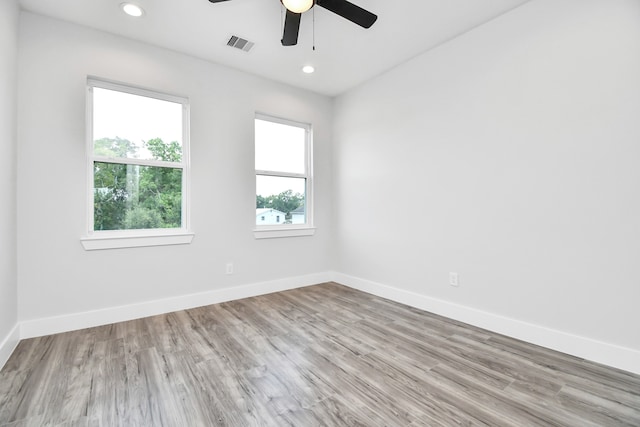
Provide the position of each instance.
(283, 172)
(138, 151)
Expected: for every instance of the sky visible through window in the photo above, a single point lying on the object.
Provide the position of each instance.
(135, 118)
(279, 148)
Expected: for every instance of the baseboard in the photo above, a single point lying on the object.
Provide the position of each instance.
(8, 344)
(87, 319)
(608, 354)
(586, 348)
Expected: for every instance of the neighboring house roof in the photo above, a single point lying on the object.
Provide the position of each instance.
(261, 211)
(299, 210)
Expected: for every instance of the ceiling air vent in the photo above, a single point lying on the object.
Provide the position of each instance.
(240, 43)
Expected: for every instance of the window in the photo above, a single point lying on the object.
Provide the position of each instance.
(283, 178)
(138, 169)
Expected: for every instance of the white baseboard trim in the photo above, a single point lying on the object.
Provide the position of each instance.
(88, 319)
(586, 348)
(8, 344)
(609, 354)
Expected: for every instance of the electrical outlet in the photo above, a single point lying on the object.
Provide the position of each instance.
(229, 268)
(453, 279)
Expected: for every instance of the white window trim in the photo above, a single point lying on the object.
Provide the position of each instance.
(142, 238)
(115, 239)
(283, 231)
(290, 230)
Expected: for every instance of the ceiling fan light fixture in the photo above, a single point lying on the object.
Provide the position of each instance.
(132, 9)
(297, 6)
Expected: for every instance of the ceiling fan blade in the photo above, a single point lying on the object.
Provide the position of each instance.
(217, 1)
(349, 11)
(291, 29)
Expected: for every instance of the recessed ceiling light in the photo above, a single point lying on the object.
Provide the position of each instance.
(132, 9)
(308, 69)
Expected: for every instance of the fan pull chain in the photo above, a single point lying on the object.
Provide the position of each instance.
(314, 28)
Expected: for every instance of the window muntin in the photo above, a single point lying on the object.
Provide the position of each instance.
(283, 172)
(137, 153)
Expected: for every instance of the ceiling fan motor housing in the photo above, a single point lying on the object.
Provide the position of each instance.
(298, 6)
(295, 9)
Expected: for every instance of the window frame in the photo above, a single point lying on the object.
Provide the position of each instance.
(113, 239)
(289, 230)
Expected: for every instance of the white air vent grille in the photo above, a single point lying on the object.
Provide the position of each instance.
(240, 43)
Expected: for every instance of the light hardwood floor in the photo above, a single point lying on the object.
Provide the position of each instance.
(325, 355)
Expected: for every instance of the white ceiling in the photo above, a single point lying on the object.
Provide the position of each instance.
(345, 56)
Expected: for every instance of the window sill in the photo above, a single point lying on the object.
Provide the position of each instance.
(95, 243)
(275, 233)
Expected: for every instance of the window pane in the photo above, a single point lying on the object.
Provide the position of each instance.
(280, 147)
(137, 127)
(280, 200)
(136, 197)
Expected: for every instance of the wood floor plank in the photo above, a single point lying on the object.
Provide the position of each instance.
(109, 392)
(325, 355)
(604, 411)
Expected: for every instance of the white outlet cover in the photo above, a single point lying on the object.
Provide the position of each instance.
(453, 279)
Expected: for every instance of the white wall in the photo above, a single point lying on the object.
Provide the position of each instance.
(518, 146)
(56, 276)
(8, 266)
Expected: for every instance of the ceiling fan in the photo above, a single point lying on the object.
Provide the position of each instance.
(295, 9)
